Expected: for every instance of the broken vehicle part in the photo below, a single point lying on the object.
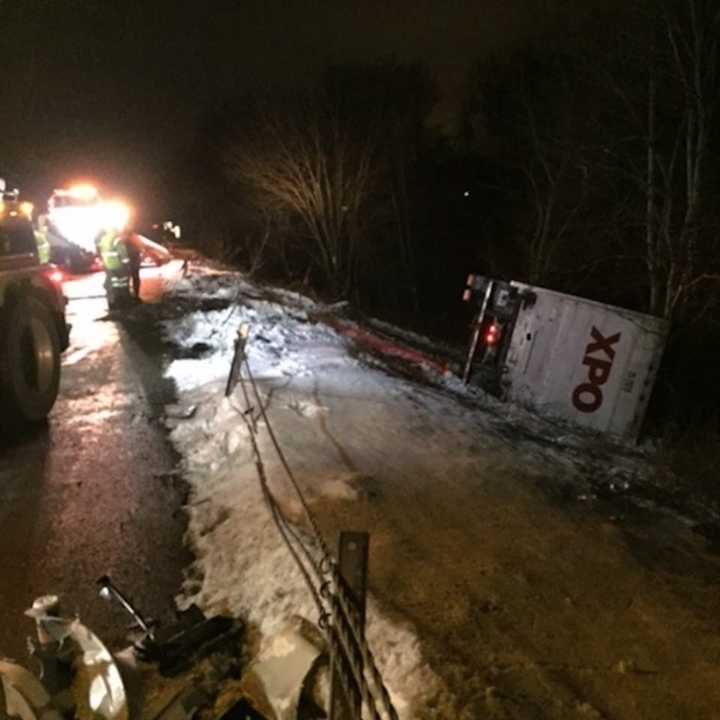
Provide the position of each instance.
(23, 696)
(276, 680)
(83, 680)
(109, 591)
(184, 705)
(97, 684)
(178, 646)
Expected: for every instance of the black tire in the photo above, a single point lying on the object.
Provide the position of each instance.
(29, 361)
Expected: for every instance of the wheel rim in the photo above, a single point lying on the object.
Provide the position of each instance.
(37, 347)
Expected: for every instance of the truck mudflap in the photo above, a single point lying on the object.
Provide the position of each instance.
(64, 329)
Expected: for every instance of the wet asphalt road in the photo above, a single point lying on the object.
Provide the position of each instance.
(94, 491)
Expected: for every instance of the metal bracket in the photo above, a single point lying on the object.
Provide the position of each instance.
(238, 359)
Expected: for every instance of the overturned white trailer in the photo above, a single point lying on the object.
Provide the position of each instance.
(563, 356)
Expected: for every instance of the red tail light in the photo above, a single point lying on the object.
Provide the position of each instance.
(56, 276)
(492, 334)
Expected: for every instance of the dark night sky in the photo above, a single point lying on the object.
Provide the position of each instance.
(110, 90)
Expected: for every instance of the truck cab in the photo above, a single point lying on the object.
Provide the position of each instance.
(33, 327)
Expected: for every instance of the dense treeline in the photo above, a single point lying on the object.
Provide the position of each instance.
(587, 163)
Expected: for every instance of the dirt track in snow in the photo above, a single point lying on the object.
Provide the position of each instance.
(527, 606)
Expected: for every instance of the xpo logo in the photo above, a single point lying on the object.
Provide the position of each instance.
(599, 354)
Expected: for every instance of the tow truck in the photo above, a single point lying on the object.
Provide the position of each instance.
(33, 328)
(74, 218)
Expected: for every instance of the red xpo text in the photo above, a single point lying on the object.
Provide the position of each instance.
(599, 354)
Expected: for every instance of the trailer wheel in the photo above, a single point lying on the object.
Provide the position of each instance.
(29, 361)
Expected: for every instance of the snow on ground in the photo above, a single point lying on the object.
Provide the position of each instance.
(432, 469)
(244, 566)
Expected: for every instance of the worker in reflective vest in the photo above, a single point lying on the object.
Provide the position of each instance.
(43, 245)
(113, 253)
(133, 250)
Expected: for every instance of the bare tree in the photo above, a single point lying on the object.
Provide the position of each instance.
(299, 156)
(523, 112)
(409, 97)
(340, 161)
(679, 55)
(557, 181)
(675, 274)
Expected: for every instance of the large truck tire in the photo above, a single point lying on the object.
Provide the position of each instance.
(29, 361)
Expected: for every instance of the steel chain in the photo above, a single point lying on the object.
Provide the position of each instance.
(342, 646)
(350, 614)
(279, 519)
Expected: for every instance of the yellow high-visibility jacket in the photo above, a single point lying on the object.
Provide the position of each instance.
(112, 251)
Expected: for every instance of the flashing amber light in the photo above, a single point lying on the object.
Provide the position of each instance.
(26, 208)
(115, 215)
(83, 192)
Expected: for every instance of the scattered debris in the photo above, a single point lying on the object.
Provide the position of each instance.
(191, 668)
(70, 652)
(23, 695)
(175, 649)
(180, 412)
(276, 680)
(171, 673)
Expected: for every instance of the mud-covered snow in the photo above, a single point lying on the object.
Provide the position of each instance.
(497, 588)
